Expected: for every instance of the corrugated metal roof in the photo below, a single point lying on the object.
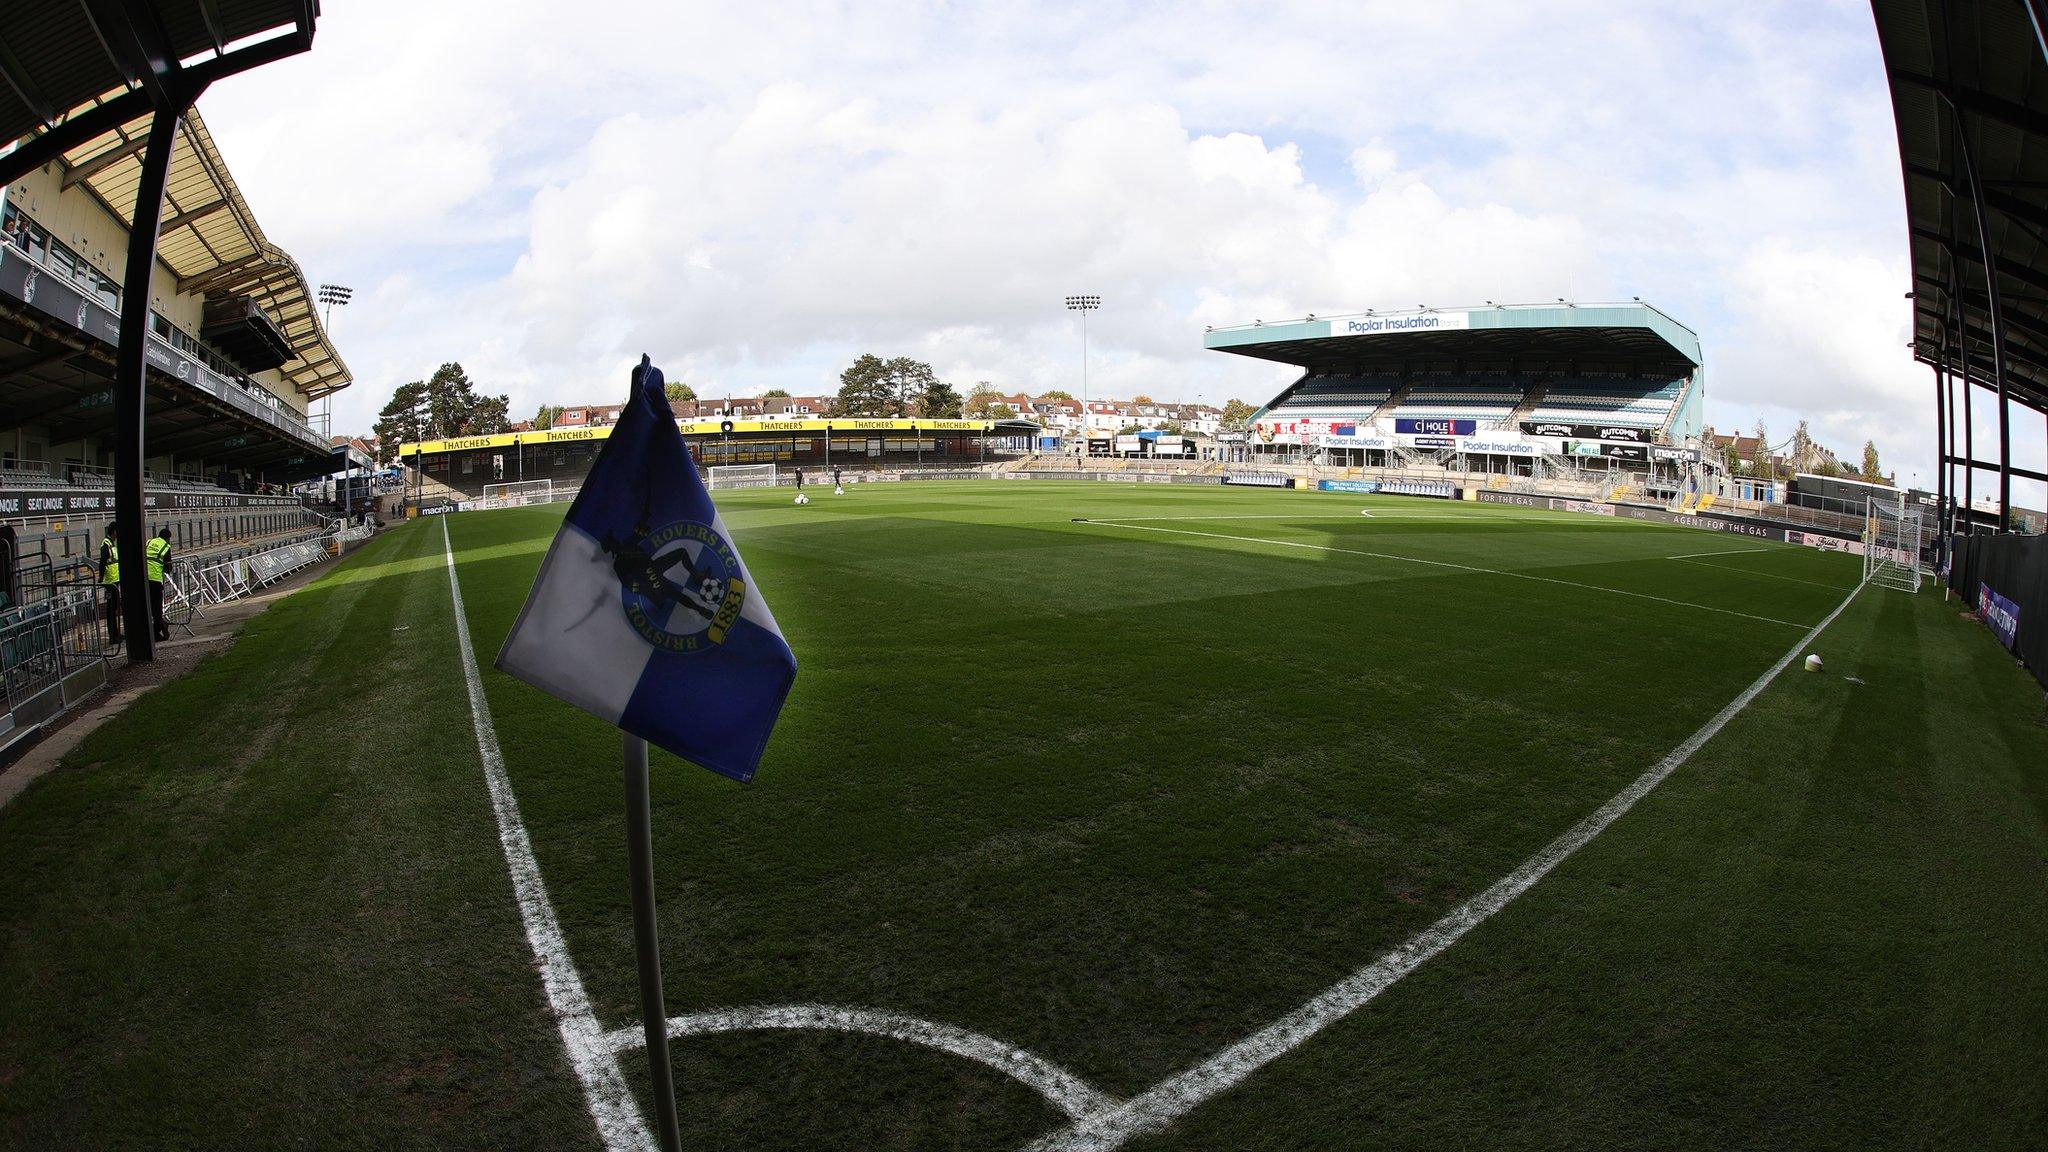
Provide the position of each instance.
(1962, 66)
(54, 59)
(210, 239)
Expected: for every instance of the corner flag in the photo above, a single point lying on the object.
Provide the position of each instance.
(643, 613)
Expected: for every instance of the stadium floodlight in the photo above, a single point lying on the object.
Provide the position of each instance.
(330, 295)
(1084, 305)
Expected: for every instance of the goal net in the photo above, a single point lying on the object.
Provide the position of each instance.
(1891, 543)
(518, 492)
(743, 476)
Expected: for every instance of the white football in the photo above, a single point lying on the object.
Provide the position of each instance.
(802, 499)
(1813, 662)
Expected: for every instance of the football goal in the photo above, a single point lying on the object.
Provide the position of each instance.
(519, 492)
(743, 476)
(1891, 543)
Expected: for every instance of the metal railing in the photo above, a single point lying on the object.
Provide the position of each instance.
(219, 580)
(185, 366)
(44, 647)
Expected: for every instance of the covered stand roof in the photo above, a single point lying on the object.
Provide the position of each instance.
(79, 81)
(211, 240)
(1973, 75)
(1635, 333)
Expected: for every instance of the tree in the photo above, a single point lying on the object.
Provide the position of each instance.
(544, 418)
(1236, 414)
(489, 416)
(455, 409)
(864, 388)
(998, 412)
(404, 418)
(679, 392)
(775, 394)
(1059, 394)
(1141, 398)
(981, 400)
(939, 401)
(1872, 471)
(1760, 458)
(1806, 455)
(872, 386)
(912, 380)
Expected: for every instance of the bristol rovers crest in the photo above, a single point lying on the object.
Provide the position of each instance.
(679, 585)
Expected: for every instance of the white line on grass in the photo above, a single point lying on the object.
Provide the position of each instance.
(1717, 552)
(1373, 512)
(593, 1057)
(1747, 572)
(1177, 1095)
(593, 1052)
(1066, 1091)
(1447, 564)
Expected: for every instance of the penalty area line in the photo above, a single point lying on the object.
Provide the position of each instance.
(1449, 564)
(591, 1054)
(1180, 1094)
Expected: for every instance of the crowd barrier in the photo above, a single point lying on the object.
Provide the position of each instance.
(50, 657)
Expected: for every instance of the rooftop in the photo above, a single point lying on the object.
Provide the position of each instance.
(1633, 331)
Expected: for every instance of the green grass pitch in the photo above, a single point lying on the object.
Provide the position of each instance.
(1118, 792)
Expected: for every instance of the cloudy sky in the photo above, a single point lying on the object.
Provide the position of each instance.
(756, 194)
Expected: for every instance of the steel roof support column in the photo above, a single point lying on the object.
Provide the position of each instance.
(1940, 455)
(1955, 298)
(130, 531)
(1997, 316)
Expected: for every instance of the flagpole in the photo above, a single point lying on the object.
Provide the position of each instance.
(646, 942)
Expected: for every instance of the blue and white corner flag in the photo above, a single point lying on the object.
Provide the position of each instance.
(643, 613)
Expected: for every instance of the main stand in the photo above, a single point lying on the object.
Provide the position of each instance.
(646, 941)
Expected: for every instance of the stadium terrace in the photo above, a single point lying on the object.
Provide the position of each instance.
(1615, 391)
(452, 471)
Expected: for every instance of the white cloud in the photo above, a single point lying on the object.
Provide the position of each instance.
(757, 195)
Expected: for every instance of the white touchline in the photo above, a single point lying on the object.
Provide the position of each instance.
(1113, 523)
(595, 1060)
(593, 1052)
(1177, 1095)
(1066, 1091)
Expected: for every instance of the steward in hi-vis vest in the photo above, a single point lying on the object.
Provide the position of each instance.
(110, 579)
(159, 555)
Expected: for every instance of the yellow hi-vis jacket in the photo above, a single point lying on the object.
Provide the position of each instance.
(158, 551)
(110, 563)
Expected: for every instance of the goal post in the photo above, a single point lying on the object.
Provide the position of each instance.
(1891, 543)
(743, 476)
(516, 493)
